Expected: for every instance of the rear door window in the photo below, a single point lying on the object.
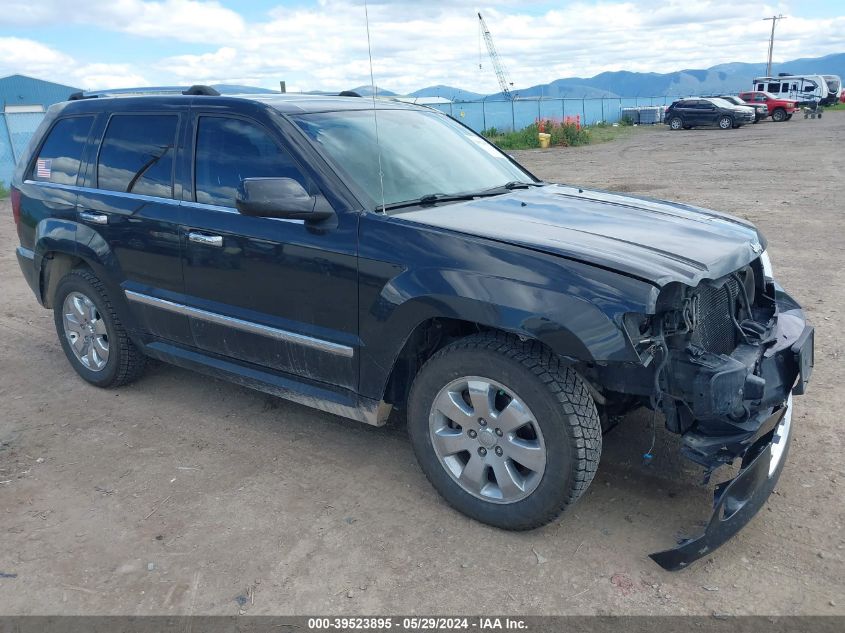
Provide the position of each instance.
(228, 150)
(60, 155)
(136, 155)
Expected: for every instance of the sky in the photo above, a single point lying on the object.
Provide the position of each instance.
(322, 45)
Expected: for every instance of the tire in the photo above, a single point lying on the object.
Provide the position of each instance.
(81, 306)
(779, 115)
(726, 122)
(513, 382)
(676, 123)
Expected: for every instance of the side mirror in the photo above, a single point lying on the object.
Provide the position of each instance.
(280, 198)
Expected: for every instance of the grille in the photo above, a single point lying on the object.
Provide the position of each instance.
(714, 330)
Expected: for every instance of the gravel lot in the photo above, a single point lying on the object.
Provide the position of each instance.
(181, 494)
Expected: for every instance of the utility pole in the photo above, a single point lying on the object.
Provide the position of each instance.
(774, 20)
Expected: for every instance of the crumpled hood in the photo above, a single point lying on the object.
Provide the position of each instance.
(653, 240)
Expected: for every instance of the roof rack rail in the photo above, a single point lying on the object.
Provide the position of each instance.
(348, 93)
(201, 90)
(195, 90)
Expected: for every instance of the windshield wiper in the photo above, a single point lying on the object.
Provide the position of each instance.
(433, 198)
(520, 184)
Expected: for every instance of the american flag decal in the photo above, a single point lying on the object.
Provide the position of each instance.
(43, 167)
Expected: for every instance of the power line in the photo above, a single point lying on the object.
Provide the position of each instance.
(774, 20)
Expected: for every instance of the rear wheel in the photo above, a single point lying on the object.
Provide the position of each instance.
(726, 122)
(779, 115)
(675, 123)
(504, 432)
(91, 334)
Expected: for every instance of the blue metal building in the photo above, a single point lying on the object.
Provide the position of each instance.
(23, 101)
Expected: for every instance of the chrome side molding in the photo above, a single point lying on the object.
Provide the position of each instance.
(322, 345)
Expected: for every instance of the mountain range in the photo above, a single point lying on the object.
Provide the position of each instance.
(730, 77)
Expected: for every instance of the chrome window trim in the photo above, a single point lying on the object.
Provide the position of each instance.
(120, 194)
(240, 324)
(222, 209)
(145, 198)
(211, 207)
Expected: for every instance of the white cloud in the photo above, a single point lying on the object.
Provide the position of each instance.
(28, 57)
(95, 76)
(324, 46)
(20, 55)
(184, 20)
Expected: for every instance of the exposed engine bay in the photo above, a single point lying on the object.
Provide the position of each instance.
(721, 362)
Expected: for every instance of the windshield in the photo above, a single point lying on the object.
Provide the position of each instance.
(833, 84)
(722, 103)
(422, 153)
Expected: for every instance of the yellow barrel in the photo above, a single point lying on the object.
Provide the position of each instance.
(545, 139)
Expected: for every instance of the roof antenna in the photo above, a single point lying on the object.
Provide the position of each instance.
(375, 116)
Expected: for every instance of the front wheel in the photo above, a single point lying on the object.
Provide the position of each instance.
(726, 122)
(504, 431)
(779, 115)
(675, 123)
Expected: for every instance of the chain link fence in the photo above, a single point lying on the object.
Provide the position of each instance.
(16, 128)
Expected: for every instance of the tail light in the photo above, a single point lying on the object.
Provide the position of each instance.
(16, 206)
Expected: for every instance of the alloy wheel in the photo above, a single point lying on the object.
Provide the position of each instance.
(85, 330)
(487, 439)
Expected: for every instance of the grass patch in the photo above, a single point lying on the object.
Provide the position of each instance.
(4, 191)
(564, 134)
(604, 133)
(838, 106)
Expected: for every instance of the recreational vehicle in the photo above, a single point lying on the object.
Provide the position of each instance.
(801, 88)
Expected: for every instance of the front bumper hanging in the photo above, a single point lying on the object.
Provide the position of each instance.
(763, 451)
(736, 501)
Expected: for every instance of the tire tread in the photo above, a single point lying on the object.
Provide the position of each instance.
(132, 360)
(566, 387)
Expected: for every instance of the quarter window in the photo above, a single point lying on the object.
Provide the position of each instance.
(60, 155)
(137, 154)
(230, 150)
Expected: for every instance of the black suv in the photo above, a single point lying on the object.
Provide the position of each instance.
(703, 112)
(358, 256)
(761, 110)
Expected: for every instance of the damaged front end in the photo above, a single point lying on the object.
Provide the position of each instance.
(725, 359)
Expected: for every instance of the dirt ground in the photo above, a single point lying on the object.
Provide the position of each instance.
(181, 494)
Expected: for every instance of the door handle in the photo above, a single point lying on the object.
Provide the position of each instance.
(204, 238)
(95, 218)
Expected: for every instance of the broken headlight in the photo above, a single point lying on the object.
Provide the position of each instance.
(767, 265)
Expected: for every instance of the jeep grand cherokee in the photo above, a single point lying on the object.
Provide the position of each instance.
(357, 256)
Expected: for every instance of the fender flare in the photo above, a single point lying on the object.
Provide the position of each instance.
(66, 237)
(573, 327)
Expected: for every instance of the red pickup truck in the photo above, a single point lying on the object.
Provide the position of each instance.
(779, 109)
